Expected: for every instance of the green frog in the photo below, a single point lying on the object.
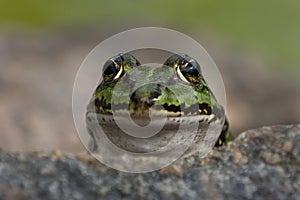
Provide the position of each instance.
(175, 93)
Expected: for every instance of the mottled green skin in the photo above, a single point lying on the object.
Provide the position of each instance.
(138, 89)
(143, 80)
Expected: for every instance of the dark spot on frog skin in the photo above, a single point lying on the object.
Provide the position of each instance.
(204, 108)
(225, 135)
(102, 103)
(154, 94)
(171, 108)
(99, 106)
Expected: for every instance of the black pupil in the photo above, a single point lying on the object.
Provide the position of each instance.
(110, 68)
(191, 69)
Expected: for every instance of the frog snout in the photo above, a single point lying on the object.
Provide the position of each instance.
(145, 96)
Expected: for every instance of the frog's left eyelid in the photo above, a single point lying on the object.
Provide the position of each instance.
(114, 61)
(192, 60)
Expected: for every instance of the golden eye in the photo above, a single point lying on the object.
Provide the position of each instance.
(114, 68)
(186, 67)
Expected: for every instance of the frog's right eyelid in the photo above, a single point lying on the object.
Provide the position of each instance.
(121, 55)
(113, 60)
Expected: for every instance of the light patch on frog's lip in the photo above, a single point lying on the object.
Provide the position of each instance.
(98, 118)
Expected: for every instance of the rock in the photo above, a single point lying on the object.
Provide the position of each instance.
(259, 164)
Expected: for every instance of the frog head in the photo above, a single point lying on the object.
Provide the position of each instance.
(177, 88)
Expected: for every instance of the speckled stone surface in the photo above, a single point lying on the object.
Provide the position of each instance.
(259, 164)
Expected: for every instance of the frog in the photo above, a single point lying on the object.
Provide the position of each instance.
(175, 91)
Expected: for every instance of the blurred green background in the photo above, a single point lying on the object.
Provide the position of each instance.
(271, 28)
(255, 44)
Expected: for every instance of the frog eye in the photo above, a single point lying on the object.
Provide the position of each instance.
(115, 67)
(186, 67)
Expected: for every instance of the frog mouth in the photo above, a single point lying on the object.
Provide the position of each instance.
(100, 118)
(143, 108)
(153, 143)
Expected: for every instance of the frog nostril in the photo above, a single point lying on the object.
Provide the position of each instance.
(146, 95)
(139, 109)
(154, 95)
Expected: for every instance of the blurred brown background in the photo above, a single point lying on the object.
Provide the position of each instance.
(255, 44)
